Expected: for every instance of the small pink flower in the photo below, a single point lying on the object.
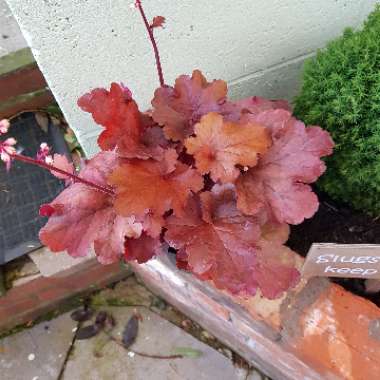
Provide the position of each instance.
(43, 154)
(4, 126)
(7, 149)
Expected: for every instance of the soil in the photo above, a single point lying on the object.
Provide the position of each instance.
(338, 223)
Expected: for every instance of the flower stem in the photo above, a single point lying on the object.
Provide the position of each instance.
(74, 177)
(153, 41)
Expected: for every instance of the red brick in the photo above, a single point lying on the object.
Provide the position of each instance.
(36, 102)
(26, 302)
(15, 309)
(54, 294)
(23, 81)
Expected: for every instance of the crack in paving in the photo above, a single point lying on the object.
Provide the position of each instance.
(68, 353)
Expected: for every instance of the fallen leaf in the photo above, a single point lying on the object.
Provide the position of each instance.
(130, 331)
(101, 318)
(82, 315)
(87, 332)
(187, 352)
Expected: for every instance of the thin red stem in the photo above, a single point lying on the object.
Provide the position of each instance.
(76, 178)
(153, 41)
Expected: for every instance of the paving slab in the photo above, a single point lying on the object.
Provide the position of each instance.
(156, 336)
(51, 263)
(37, 353)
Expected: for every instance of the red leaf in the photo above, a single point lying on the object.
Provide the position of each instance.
(278, 185)
(141, 249)
(178, 109)
(125, 126)
(158, 22)
(153, 187)
(219, 146)
(86, 216)
(223, 245)
(256, 104)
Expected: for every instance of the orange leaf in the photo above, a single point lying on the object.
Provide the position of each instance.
(151, 187)
(219, 146)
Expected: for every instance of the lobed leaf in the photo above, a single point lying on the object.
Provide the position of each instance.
(219, 146)
(279, 186)
(126, 128)
(221, 244)
(151, 187)
(179, 108)
(81, 216)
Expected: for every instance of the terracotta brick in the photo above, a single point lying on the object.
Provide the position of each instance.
(336, 333)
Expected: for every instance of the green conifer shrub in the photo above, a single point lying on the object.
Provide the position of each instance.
(341, 93)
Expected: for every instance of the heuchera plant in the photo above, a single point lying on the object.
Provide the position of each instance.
(219, 181)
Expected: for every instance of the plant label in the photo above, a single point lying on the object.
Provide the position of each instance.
(342, 260)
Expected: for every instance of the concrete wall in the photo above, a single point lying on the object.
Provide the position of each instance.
(258, 46)
(11, 38)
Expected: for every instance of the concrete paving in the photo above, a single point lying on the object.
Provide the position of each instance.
(49, 350)
(37, 353)
(156, 336)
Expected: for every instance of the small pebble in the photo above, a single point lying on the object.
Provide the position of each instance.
(31, 357)
(131, 354)
(35, 378)
(74, 329)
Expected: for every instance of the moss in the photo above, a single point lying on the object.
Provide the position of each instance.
(16, 60)
(341, 92)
